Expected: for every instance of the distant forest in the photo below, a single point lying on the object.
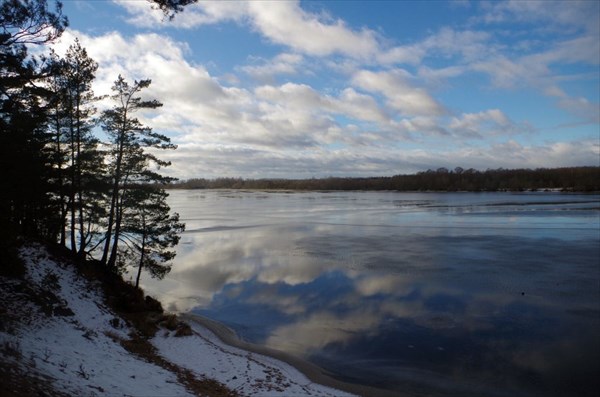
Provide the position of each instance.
(575, 179)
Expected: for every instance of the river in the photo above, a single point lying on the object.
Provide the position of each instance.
(472, 294)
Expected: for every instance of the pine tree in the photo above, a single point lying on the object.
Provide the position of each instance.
(130, 162)
(149, 231)
(172, 7)
(78, 73)
(59, 157)
(25, 202)
(27, 22)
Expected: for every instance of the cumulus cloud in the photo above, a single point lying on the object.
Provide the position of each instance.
(293, 130)
(301, 97)
(146, 56)
(285, 22)
(400, 95)
(289, 25)
(359, 107)
(201, 109)
(376, 118)
(281, 22)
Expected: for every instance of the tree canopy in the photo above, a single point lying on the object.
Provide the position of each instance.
(172, 7)
(61, 182)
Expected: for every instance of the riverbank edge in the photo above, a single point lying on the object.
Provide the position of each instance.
(313, 372)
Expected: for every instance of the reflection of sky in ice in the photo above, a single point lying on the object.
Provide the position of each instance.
(476, 293)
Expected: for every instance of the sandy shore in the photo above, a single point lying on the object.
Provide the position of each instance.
(311, 371)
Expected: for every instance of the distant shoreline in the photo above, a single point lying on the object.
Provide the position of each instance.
(567, 179)
(282, 190)
(313, 372)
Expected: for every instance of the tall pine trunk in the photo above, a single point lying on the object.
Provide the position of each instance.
(142, 257)
(111, 220)
(59, 176)
(113, 205)
(82, 238)
(72, 187)
(112, 260)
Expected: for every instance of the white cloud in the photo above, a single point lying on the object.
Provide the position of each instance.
(512, 154)
(267, 70)
(281, 22)
(381, 121)
(504, 72)
(284, 22)
(203, 109)
(486, 123)
(469, 44)
(585, 49)
(211, 160)
(144, 56)
(203, 13)
(438, 76)
(423, 125)
(446, 43)
(300, 97)
(400, 95)
(589, 112)
(410, 54)
(360, 107)
(538, 71)
(574, 14)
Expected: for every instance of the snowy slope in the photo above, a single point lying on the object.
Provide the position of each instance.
(66, 337)
(247, 373)
(75, 350)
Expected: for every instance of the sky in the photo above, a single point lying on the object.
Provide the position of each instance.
(303, 89)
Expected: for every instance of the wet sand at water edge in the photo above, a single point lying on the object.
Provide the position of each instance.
(311, 371)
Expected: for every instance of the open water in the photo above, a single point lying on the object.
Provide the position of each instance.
(471, 294)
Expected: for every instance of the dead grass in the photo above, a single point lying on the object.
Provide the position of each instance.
(201, 387)
(183, 329)
(16, 382)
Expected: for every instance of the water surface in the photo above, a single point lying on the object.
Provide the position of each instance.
(490, 294)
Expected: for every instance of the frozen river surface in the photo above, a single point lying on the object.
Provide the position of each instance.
(489, 294)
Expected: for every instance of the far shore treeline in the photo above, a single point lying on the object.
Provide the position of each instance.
(568, 179)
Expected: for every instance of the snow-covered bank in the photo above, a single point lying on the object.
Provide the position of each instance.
(245, 372)
(65, 335)
(56, 327)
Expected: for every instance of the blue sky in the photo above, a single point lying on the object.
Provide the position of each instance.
(357, 88)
